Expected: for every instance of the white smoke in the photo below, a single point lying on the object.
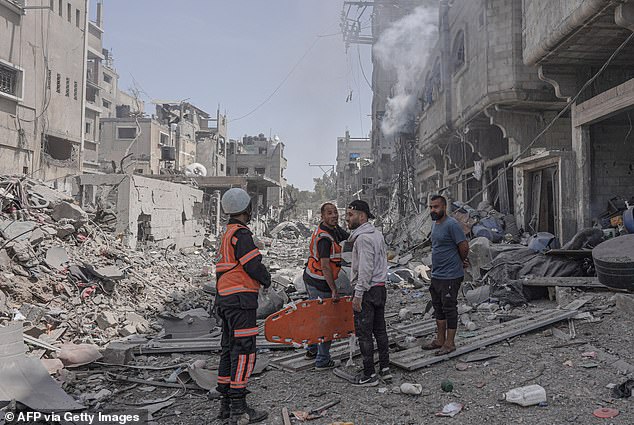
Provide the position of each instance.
(404, 48)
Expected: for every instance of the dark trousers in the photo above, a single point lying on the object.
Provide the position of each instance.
(444, 298)
(237, 358)
(371, 321)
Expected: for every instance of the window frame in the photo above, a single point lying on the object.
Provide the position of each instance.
(127, 128)
(19, 81)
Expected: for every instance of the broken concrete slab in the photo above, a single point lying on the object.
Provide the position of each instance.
(106, 320)
(17, 230)
(26, 380)
(109, 273)
(56, 257)
(138, 321)
(66, 210)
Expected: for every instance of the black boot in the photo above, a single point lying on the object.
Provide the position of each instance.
(225, 407)
(241, 414)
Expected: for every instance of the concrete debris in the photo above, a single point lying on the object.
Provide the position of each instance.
(67, 211)
(106, 320)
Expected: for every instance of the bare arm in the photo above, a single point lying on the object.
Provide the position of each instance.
(325, 267)
(463, 250)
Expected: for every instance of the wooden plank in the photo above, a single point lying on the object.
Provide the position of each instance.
(577, 282)
(340, 349)
(415, 358)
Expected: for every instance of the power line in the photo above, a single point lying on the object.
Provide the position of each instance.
(265, 101)
(559, 115)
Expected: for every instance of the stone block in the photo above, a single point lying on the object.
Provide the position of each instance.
(118, 353)
(65, 230)
(127, 330)
(106, 320)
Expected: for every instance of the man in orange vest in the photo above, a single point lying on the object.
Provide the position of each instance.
(239, 276)
(322, 269)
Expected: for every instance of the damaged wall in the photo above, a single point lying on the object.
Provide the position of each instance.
(145, 209)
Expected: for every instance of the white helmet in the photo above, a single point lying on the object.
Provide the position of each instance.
(235, 201)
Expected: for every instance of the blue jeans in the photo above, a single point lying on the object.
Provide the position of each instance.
(323, 349)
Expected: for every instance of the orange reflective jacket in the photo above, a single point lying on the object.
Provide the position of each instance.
(313, 269)
(234, 278)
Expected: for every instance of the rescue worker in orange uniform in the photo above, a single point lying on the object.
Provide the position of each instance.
(239, 276)
(321, 272)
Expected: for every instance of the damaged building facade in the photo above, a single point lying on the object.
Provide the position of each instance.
(143, 209)
(42, 88)
(135, 142)
(260, 156)
(489, 129)
(354, 174)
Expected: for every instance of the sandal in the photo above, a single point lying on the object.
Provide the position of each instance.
(444, 350)
(432, 345)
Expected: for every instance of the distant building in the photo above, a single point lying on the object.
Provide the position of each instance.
(355, 175)
(42, 88)
(260, 156)
(142, 137)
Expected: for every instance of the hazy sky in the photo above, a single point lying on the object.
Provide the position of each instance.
(234, 54)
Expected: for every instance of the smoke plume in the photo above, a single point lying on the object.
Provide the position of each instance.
(404, 49)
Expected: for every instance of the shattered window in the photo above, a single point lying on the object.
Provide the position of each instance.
(8, 80)
(243, 171)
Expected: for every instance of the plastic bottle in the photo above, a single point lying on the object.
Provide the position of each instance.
(526, 396)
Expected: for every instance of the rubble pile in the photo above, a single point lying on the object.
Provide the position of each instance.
(64, 275)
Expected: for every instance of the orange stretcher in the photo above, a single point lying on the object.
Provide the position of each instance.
(311, 322)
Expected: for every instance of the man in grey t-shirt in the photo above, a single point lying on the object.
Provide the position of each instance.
(449, 251)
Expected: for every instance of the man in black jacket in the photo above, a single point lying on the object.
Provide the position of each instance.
(239, 276)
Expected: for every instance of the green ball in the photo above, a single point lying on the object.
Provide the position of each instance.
(447, 386)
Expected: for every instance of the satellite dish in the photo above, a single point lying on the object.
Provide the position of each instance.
(276, 138)
(195, 170)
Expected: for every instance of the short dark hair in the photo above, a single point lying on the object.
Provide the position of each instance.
(323, 207)
(442, 198)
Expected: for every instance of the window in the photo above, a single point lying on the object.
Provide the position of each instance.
(59, 83)
(262, 151)
(67, 87)
(228, 171)
(458, 52)
(77, 18)
(107, 78)
(105, 103)
(69, 11)
(260, 171)
(61, 8)
(126, 133)
(88, 128)
(25, 170)
(222, 167)
(8, 80)
(165, 139)
(243, 171)
(75, 90)
(139, 171)
(52, 5)
(48, 78)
